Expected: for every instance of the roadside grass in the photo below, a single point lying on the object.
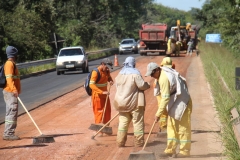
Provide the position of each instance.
(101, 55)
(219, 67)
(34, 69)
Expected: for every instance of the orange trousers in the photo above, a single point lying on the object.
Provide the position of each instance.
(98, 109)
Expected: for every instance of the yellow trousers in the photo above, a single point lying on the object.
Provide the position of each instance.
(178, 47)
(179, 132)
(137, 117)
(163, 117)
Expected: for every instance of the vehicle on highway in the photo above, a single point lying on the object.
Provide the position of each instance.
(72, 59)
(154, 36)
(138, 44)
(128, 45)
(183, 34)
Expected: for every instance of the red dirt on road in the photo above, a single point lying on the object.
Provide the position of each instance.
(68, 117)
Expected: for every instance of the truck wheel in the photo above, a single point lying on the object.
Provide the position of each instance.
(58, 73)
(120, 53)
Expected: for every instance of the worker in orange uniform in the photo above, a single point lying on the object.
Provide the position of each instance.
(99, 91)
(10, 93)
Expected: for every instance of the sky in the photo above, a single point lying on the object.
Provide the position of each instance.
(182, 4)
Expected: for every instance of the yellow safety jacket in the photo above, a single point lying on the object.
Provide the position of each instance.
(165, 93)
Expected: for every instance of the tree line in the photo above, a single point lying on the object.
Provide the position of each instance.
(223, 17)
(30, 25)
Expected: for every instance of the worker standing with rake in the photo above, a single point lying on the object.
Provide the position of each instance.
(10, 93)
(176, 99)
(130, 102)
(99, 92)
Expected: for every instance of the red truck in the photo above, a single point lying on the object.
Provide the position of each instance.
(153, 38)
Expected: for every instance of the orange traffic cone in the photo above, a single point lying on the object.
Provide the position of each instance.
(116, 61)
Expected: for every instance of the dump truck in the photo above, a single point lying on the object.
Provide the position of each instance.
(153, 38)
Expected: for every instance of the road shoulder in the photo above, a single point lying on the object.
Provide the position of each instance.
(206, 127)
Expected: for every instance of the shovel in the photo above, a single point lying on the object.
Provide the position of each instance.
(143, 155)
(42, 138)
(96, 127)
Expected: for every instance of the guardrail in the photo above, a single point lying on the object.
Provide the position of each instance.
(53, 60)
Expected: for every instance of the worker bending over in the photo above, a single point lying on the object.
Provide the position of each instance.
(176, 100)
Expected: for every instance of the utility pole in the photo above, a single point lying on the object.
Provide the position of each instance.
(56, 42)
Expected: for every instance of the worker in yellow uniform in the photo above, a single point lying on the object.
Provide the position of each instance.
(164, 116)
(176, 100)
(178, 48)
(169, 51)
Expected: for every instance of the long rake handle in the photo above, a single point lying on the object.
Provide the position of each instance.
(149, 135)
(29, 115)
(105, 125)
(104, 109)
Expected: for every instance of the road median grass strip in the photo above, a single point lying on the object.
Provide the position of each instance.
(216, 59)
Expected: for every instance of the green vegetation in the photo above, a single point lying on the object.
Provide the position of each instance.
(30, 70)
(217, 58)
(30, 25)
(221, 16)
(100, 55)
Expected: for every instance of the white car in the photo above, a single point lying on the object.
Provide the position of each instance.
(128, 45)
(72, 59)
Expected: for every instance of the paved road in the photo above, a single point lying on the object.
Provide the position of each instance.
(43, 88)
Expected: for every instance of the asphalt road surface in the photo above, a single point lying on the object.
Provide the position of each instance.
(42, 88)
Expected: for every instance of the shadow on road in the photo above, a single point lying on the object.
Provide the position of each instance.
(207, 155)
(60, 135)
(24, 146)
(203, 131)
(53, 135)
